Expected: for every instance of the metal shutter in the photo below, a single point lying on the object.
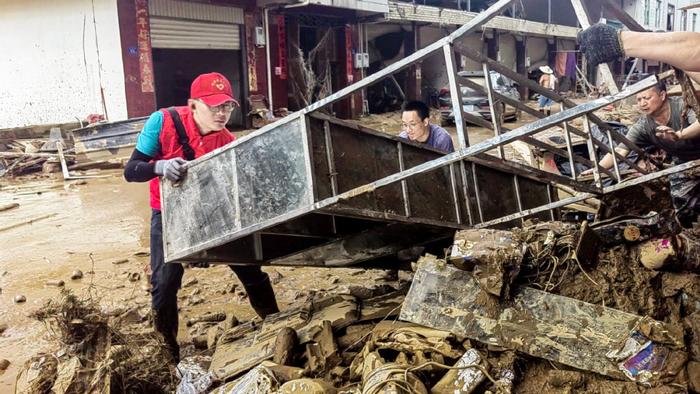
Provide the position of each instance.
(180, 24)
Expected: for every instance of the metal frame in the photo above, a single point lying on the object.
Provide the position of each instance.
(466, 197)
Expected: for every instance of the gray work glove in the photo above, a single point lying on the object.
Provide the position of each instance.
(171, 169)
(600, 43)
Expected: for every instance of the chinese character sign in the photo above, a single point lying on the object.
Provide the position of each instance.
(143, 39)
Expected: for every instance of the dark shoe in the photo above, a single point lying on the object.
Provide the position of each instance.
(169, 336)
(262, 297)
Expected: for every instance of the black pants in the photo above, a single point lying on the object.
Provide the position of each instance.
(166, 279)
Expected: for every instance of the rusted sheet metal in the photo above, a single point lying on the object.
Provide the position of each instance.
(107, 140)
(538, 323)
(257, 202)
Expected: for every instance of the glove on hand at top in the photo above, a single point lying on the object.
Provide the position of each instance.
(600, 43)
(171, 169)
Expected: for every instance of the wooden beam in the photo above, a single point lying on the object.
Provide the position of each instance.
(409, 12)
(623, 16)
(582, 15)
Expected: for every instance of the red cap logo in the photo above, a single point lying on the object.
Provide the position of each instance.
(212, 88)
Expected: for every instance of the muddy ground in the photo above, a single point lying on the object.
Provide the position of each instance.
(93, 226)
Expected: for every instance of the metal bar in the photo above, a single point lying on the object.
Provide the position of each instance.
(404, 185)
(592, 153)
(476, 193)
(629, 75)
(584, 196)
(532, 211)
(467, 28)
(465, 190)
(551, 200)
(614, 157)
(501, 69)
(308, 157)
(332, 174)
(495, 112)
(257, 246)
(530, 140)
(532, 173)
(455, 96)
(490, 143)
(517, 196)
(569, 147)
(455, 198)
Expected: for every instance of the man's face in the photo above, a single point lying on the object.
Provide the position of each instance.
(416, 128)
(208, 118)
(650, 100)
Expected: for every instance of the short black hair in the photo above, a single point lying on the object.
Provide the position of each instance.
(420, 107)
(660, 86)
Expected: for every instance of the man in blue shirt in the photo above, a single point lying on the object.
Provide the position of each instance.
(416, 124)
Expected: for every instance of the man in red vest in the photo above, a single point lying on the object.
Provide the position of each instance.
(169, 138)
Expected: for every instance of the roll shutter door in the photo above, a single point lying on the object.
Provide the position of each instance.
(185, 25)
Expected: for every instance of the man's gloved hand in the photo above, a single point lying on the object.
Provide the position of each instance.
(171, 168)
(600, 43)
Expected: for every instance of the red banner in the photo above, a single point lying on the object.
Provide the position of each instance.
(282, 47)
(143, 37)
(348, 53)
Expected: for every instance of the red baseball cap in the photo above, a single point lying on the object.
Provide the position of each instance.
(212, 88)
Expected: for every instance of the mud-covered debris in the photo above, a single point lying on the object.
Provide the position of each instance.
(194, 378)
(55, 283)
(321, 351)
(120, 261)
(307, 386)
(493, 255)
(3, 328)
(77, 274)
(466, 376)
(20, 299)
(189, 282)
(4, 364)
(134, 276)
(584, 333)
(285, 343)
(206, 317)
(381, 377)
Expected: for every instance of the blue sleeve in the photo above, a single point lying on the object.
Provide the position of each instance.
(148, 142)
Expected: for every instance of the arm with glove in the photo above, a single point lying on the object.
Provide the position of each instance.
(141, 167)
(603, 43)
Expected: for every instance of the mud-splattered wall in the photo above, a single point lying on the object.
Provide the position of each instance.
(49, 68)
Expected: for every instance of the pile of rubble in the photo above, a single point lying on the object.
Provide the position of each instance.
(552, 306)
(96, 352)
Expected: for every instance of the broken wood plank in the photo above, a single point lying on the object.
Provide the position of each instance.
(541, 324)
(236, 354)
(29, 221)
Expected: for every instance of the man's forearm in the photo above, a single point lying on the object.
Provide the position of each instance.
(680, 49)
(691, 132)
(607, 160)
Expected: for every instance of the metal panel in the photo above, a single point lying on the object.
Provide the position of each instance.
(247, 185)
(196, 11)
(186, 34)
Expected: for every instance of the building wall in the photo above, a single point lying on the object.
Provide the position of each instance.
(637, 8)
(49, 70)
